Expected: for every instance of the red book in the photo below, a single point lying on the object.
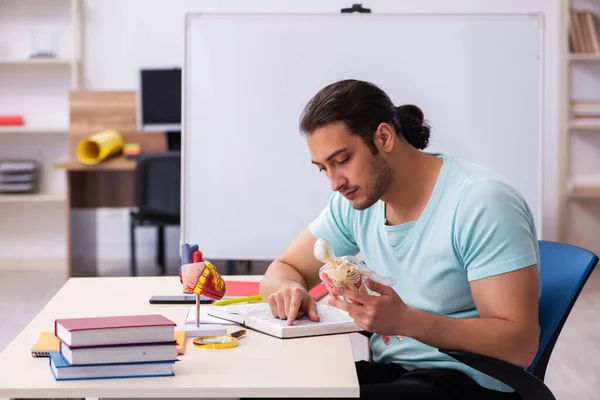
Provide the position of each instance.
(114, 330)
(245, 288)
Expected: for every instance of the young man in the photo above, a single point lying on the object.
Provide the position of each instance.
(459, 241)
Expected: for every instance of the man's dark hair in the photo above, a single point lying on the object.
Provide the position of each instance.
(362, 106)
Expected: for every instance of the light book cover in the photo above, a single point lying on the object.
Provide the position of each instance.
(258, 316)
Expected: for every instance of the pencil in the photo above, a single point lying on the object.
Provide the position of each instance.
(247, 299)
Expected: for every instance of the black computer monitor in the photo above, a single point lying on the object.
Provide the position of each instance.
(159, 103)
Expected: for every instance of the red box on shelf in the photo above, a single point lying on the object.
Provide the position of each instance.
(11, 120)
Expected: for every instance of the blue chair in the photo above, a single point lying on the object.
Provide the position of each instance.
(564, 270)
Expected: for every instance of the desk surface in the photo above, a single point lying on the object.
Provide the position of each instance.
(260, 366)
(119, 163)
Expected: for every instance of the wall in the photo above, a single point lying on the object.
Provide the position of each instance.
(119, 39)
(122, 36)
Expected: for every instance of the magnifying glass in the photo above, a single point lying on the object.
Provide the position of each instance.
(219, 342)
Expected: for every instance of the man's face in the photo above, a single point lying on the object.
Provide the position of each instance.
(350, 166)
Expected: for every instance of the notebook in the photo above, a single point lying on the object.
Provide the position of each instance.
(48, 342)
(102, 331)
(44, 344)
(181, 341)
(205, 317)
(258, 316)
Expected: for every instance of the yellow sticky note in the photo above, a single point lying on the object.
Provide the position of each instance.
(180, 337)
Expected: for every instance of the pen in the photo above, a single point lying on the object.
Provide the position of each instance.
(248, 299)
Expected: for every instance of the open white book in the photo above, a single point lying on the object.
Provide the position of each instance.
(205, 317)
(258, 316)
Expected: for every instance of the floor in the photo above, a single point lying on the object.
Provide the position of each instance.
(572, 372)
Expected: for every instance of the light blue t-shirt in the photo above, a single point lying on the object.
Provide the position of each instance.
(474, 226)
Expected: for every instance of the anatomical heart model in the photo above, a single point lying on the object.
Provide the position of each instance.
(203, 279)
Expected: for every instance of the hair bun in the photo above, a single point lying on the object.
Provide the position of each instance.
(413, 112)
(410, 120)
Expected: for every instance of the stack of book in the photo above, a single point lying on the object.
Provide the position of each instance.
(583, 34)
(114, 347)
(585, 112)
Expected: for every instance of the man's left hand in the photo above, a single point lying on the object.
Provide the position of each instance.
(385, 314)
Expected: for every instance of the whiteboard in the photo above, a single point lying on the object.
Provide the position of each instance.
(248, 186)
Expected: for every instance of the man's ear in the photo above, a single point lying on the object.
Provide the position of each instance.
(384, 137)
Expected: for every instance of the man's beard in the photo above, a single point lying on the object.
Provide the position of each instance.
(381, 174)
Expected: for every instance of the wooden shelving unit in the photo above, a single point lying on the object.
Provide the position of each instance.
(48, 74)
(33, 130)
(584, 190)
(584, 57)
(580, 174)
(38, 89)
(32, 198)
(584, 127)
(35, 61)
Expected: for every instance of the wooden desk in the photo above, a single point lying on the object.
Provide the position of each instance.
(119, 163)
(108, 184)
(261, 366)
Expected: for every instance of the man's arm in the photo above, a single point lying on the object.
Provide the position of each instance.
(507, 328)
(297, 266)
(508, 325)
(494, 237)
(288, 279)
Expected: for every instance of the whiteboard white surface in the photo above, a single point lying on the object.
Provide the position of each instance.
(248, 185)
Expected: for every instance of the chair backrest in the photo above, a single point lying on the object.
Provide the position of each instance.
(564, 270)
(158, 183)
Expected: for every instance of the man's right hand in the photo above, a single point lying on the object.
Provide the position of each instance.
(291, 302)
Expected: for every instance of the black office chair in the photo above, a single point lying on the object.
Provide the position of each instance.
(157, 199)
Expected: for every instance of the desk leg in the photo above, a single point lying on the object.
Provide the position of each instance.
(88, 190)
(81, 232)
(83, 242)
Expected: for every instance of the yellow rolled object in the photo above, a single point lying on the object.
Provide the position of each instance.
(99, 146)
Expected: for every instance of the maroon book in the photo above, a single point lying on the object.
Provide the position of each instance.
(114, 330)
